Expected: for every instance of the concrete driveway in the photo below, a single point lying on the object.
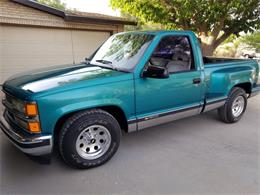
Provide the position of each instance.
(198, 155)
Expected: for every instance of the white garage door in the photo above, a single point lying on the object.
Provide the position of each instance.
(26, 48)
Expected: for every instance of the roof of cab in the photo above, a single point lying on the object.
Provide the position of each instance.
(159, 32)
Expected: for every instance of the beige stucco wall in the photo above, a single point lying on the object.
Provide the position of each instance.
(26, 48)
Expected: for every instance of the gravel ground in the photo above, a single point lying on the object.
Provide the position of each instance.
(197, 155)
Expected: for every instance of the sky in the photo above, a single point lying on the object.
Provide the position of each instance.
(95, 6)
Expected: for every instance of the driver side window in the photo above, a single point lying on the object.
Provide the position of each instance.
(174, 53)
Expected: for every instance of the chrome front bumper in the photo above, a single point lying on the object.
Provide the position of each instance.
(33, 145)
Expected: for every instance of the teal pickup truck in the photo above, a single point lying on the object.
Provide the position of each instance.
(133, 81)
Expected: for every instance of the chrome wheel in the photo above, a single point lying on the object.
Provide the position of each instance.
(238, 106)
(93, 142)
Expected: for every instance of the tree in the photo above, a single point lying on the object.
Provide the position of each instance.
(213, 20)
(253, 40)
(53, 3)
(140, 25)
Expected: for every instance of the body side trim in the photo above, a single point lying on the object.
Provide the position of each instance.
(214, 104)
(153, 120)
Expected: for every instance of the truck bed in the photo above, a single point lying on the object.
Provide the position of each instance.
(223, 73)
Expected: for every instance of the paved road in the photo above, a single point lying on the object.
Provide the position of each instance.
(198, 155)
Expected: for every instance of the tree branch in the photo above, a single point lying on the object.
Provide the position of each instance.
(217, 28)
(222, 38)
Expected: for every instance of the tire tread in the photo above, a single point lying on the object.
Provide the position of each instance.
(66, 127)
(225, 113)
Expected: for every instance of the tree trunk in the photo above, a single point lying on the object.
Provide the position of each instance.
(207, 44)
(207, 50)
(210, 42)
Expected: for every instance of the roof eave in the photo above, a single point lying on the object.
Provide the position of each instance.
(70, 17)
(84, 19)
(41, 7)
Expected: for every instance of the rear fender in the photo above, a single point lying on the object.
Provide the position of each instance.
(223, 81)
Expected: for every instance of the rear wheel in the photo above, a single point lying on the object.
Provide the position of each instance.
(89, 138)
(234, 107)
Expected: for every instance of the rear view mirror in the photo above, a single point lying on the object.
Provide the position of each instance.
(156, 72)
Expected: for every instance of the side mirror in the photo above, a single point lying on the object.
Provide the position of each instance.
(156, 72)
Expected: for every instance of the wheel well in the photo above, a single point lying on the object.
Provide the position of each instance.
(115, 111)
(119, 115)
(246, 86)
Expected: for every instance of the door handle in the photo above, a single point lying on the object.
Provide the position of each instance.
(196, 81)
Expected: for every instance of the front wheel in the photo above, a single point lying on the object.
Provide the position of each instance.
(234, 107)
(89, 139)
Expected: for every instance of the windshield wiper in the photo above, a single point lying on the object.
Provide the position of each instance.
(104, 61)
(110, 65)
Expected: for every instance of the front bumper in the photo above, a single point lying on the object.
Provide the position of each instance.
(255, 90)
(33, 145)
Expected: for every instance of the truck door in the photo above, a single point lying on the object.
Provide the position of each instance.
(162, 100)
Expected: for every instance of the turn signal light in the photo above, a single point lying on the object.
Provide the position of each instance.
(31, 109)
(34, 127)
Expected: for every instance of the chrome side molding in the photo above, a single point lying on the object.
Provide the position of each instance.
(166, 118)
(161, 118)
(214, 104)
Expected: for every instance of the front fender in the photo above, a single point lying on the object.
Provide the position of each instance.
(53, 107)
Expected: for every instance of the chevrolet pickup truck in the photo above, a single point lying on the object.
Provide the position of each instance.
(133, 81)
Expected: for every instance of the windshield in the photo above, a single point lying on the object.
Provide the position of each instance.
(122, 51)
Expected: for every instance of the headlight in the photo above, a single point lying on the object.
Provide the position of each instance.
(18, 105)
(29, 109)
(29, 119)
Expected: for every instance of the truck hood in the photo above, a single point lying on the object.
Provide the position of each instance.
(58, 76)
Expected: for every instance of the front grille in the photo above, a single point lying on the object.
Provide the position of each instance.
(13, 119)
(15, 113)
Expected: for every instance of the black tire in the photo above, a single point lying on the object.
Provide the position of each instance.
(225, 112)
(75, 125)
